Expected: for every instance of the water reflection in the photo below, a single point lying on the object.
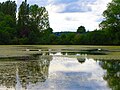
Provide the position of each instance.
(81, 60)
(34, 71)
(56, 72)
(20, 74)
(70, 75)
(112, 75)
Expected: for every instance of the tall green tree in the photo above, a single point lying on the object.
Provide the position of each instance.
(7, 22)
(112, 17)
(23, 19)
(34, 17)
(9, 8)
(44, 19)
(39, 17)
(31, 25)
(7, 29)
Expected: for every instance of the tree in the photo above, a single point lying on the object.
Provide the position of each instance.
(81, 29)
(23, 19)
(7, 22)
(112, 17)
(79, 39)
(44, 19)
(39, 17)
(29, 26)
(7, 29)
(39, 24)
(9, 8)
(34, 17)
(46, 36)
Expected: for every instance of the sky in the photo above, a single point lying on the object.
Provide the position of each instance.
(68, 15)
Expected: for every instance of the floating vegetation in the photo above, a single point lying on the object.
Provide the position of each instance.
(24, 52)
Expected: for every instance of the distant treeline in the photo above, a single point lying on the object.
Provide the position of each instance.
(31, 26)
(96, 37)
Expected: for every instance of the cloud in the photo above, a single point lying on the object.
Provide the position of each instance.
(71, 21)
(71, 6)
(68, 15)
(56, 2)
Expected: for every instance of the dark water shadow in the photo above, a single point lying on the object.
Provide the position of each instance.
(112, 75)
(19, 73)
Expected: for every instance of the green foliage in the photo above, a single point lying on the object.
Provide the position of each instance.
(7, 29)
(4, 37)
(39, 17)
(9, 8)
(112, 17)
(81, 29)
(45, 36)
(32, 22)
(53, 39)
(66, 38)
(79, 39)
(23, 20)
(112, 75)
(32, 27)
(111, 24)
(32, 37)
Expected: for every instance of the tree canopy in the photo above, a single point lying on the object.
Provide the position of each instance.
(81, 29)
(27, 28)
(112, 17)
(32, 26)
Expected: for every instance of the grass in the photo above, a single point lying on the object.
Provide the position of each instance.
(20, 50)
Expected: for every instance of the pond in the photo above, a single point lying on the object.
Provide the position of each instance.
(59, 71)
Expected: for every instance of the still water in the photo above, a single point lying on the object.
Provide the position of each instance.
(57, 72)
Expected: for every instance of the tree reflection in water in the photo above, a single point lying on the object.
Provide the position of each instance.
(112, 75)
(24, 72)
(21, 75)
(81, 60)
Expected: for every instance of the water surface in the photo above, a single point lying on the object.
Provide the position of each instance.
(53, 71)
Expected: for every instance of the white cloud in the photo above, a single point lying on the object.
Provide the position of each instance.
(68, 15)
(71, 21)
(55, 8)
(99, 6)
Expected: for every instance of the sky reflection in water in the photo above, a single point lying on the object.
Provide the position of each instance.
(67, 74)
(54, 73)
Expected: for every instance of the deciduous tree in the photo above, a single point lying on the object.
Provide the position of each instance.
(81, 29)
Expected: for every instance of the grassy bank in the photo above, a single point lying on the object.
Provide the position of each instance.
(113, 52)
